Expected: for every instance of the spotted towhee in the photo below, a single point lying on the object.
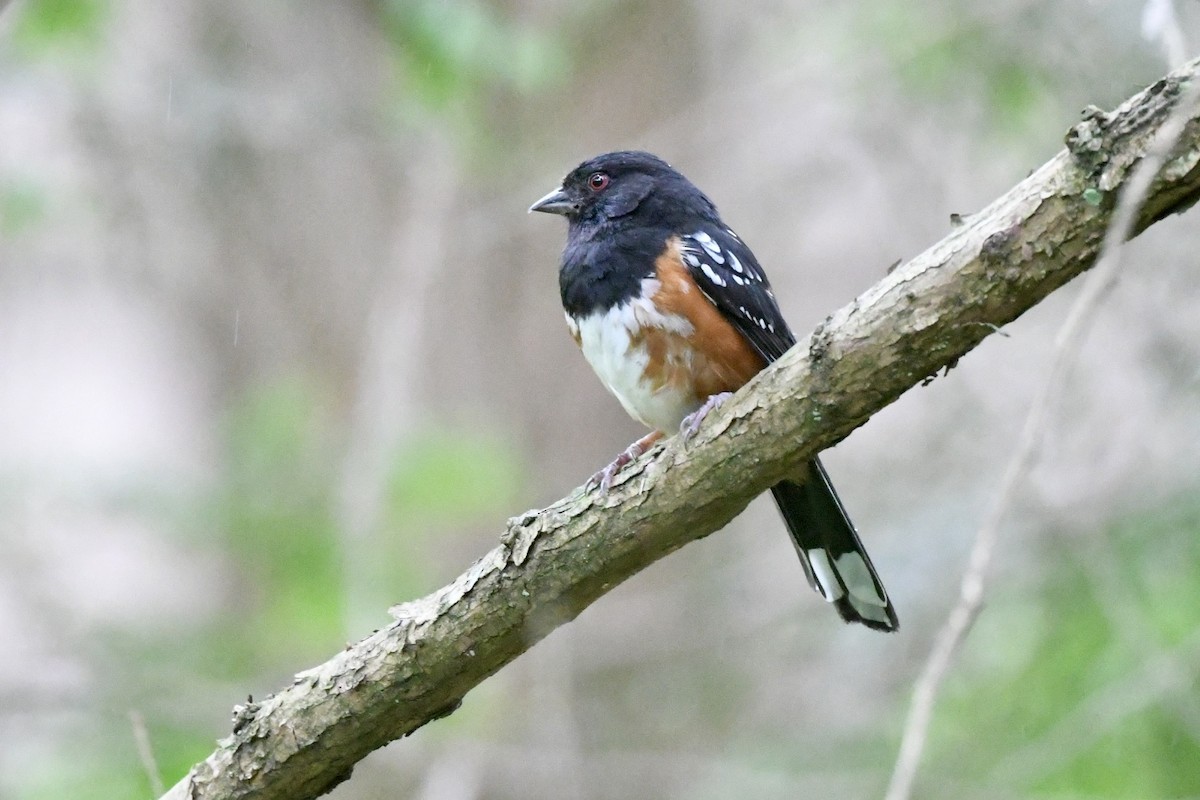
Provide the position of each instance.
(673, 312)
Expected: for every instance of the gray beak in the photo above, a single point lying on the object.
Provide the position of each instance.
(557, 202)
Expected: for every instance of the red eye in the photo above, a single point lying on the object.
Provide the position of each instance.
(597, 181)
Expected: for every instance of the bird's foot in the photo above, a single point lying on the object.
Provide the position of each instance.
(605, 477)
(691, 423)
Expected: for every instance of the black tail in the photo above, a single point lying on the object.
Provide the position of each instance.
(834, 560)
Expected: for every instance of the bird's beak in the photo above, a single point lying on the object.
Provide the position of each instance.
(557, 202)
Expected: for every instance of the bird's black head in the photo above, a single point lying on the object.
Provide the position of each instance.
(624, 184)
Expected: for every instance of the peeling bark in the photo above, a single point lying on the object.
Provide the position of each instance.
(551, 564)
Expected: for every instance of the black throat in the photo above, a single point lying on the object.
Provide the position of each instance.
(604, 264)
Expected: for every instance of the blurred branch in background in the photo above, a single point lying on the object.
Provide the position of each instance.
(388, 380)
(1130, 199)
(552, 564)
(146, 752)
(1160, 24)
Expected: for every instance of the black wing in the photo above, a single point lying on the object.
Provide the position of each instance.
(729, 275)
(834, 560)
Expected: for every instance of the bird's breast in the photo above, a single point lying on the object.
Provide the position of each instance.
(662, 347)
(643, 356)
(655, 361)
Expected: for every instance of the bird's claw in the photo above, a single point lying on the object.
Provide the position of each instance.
(691, 423)
(605, 477)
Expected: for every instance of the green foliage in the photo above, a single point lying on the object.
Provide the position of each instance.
(451, 51)
(91, 773)
(278, 515)
(104, 762)
(57, 26)
(453, 60)
(952, 53)
(441, 477)
(22, 206)
(273, 519)
(1050, 702)
(281, 516)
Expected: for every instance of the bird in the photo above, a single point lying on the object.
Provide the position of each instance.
(674, 313)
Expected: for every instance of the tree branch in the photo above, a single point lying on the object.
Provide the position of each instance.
(551, 564)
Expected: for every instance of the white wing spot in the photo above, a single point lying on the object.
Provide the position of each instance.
(711, 247)
(734, 264)
(690, 258)
(714, 251)
(739, 280)
(712, 275)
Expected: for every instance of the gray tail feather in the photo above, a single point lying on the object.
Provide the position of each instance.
(834, 559)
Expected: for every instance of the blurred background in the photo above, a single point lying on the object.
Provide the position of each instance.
(280, 347)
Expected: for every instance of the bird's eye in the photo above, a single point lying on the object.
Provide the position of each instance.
(597, 181)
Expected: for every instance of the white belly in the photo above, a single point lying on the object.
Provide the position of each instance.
(611, 344)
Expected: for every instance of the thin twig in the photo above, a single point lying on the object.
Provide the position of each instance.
(1160, 24)
(1066, 348)
(141, 738)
